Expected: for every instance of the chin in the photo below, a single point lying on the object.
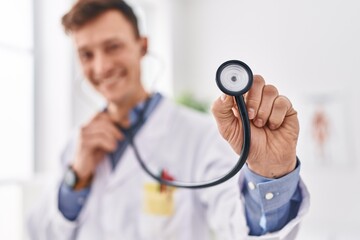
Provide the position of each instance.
(118, 99)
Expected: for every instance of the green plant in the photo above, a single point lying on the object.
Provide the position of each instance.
(187, 99)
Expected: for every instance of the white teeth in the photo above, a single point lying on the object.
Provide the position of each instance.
(112, 80)
(116, 77)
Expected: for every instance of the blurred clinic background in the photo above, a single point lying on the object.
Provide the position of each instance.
(308, 49)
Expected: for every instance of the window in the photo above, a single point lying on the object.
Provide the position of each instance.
(16, 91)
(16, 107)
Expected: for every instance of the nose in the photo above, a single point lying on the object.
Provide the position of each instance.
(102, 66)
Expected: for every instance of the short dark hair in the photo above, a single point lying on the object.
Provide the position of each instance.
(86, 10)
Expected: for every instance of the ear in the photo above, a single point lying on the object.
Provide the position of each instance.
(144, 45)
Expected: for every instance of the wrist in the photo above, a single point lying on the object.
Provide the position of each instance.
(83, 172)
(273, 170)
(75, 180)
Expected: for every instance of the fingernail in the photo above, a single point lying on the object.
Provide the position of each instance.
(272, 126)
(223, 97)
(251, 113)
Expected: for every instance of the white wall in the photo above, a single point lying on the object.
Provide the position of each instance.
(53, 76)
(310, 51)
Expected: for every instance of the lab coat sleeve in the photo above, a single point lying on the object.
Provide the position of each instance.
(45, 221)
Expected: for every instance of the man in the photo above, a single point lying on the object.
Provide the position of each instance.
(112, 198)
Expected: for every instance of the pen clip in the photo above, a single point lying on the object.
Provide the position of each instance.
(165, 176)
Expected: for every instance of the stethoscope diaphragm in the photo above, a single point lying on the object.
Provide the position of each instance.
(234, 78)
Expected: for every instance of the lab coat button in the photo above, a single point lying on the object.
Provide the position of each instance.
(251, 185)
(269, 196)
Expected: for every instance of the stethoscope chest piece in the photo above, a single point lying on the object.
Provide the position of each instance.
(234, 77)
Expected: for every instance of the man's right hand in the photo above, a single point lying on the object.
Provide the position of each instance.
(96, 138)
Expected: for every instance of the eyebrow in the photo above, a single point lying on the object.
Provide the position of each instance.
(111, 40)
(107, 41)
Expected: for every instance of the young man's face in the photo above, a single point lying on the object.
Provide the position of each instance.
(110, 55)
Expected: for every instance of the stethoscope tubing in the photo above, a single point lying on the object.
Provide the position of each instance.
(240, 102)
(242, 158)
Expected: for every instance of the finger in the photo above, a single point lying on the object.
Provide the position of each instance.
(98, 116)
(269, 94)
(253, 96)
(109, 131)
(110, 128)
(101, 126)
(99, 141)
(281, 109)
(103, 122)
(236, 113)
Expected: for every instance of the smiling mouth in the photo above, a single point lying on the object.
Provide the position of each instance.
(114, 79)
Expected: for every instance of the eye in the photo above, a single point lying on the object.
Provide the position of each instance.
(112, 47)
(86, 55)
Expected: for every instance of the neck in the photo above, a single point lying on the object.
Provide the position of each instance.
(119, 112)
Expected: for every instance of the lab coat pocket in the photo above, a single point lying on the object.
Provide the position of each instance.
(159, 213)
(157, 200)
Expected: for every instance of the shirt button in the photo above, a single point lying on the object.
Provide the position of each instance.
(251, 185)
(269, 196)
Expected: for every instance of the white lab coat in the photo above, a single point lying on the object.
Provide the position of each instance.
(114, 209)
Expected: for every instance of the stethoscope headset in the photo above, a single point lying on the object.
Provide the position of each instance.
(233, 78)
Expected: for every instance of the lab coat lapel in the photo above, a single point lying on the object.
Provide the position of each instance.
(148, 141)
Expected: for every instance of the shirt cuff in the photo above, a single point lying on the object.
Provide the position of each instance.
(271, 193)
(71, 202)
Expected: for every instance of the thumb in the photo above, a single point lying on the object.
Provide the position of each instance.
(228, 123)
(222, 108)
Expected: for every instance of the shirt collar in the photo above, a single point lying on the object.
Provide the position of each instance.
(150, 104)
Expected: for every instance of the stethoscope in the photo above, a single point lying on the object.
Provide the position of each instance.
(234, 78)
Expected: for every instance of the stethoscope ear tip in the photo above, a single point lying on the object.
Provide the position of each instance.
(234, 77)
